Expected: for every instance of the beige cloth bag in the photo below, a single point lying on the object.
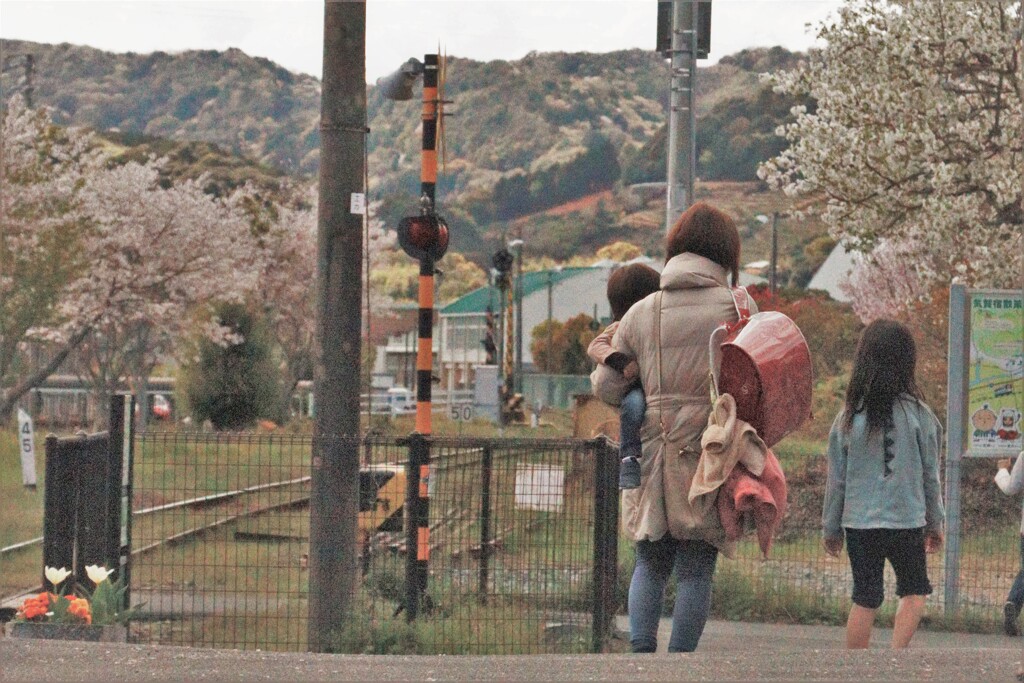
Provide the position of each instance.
(726, 441)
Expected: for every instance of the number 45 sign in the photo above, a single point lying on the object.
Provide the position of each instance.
(26, 444)
(463, 413)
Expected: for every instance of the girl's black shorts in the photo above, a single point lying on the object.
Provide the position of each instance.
(870, 548)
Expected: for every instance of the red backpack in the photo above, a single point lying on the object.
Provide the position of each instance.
(762, 360)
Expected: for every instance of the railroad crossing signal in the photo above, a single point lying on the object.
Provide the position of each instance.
(423, 236)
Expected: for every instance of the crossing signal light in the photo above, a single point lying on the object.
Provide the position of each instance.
(424, 236)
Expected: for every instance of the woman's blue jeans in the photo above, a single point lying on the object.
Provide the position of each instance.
(1016, 595)
(694, 564)
(631, 418)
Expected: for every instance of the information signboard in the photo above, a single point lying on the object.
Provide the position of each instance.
(995, 370)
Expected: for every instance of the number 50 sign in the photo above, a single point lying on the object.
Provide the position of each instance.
(463, 413)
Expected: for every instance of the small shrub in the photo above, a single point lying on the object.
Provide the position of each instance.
(233, 385)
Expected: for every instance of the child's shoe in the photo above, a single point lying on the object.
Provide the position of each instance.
(1010, 614)
(629, 472)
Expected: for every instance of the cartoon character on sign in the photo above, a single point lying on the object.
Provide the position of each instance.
(1009, 424)
(984, 421)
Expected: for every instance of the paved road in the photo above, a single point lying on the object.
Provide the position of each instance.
(730, 651)
(732, 636)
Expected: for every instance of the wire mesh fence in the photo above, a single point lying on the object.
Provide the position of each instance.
(220, 533)
(524, 555)
(221, 544)
(798, 583)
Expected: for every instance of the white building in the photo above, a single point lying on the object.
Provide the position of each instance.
(556, 294)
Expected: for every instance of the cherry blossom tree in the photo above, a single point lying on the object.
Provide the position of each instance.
(916, 137)
(885, 283)
(42, 167)
(106, 253)
(154, 254)
(285, 289)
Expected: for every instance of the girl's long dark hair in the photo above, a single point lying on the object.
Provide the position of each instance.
(882, 370)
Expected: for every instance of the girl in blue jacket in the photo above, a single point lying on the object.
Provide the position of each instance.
(883, 493)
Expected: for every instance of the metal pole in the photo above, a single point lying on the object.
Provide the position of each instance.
(775, 252)
(519, 320)
(502, 286)
(682, 122)
(486, 467)
(119, 491)
(956, 437)
(551, 386)
(334, 495)
(419, 450)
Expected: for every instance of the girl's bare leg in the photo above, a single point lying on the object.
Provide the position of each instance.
(858, 627)
(908, 616)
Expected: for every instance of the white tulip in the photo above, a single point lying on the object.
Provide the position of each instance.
(97, 573)
(56, 576)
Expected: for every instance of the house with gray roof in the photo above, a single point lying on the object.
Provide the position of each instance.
(834, 270)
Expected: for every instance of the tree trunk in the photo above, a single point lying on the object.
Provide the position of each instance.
(10, 398)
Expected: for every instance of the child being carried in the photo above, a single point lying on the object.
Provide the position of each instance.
(626, 286)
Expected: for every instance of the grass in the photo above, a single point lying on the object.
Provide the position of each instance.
(21, 516)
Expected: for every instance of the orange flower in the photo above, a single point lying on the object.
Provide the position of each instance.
(35, 607)
(80, 608)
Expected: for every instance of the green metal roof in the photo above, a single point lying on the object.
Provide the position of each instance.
(478, 300)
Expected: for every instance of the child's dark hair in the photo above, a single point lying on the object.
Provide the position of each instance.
(630, 284)
(882, 370)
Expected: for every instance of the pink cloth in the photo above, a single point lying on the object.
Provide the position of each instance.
(601, 347)
(761, 499)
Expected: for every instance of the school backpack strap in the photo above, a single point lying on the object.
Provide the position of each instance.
(741, 300)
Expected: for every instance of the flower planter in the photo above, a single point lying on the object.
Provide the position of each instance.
(112, 633)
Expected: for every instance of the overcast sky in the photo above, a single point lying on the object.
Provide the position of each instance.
(290, 32)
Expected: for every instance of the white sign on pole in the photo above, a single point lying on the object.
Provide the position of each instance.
(26, 444)
(539, 487)
(357, 205)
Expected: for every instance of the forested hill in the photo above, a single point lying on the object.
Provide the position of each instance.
(535, 122)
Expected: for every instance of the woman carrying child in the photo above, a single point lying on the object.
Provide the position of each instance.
(626, 286)
(883, 492)
(667, 335)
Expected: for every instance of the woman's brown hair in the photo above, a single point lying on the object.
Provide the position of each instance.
(708, 232)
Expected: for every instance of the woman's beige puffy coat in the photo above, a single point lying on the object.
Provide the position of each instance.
(695, 299)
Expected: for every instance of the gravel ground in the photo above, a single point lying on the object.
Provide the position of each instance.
(729, 652)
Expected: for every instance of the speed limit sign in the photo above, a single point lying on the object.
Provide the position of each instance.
(463, 413)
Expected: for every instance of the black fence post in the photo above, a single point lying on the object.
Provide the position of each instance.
(606, 540)
(58, 508)
(90, 458)
(417, 507)
(485, 519)
(121, 455)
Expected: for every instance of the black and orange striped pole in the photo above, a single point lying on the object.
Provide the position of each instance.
(424, 237)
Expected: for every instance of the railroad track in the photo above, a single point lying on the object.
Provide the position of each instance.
(9, 601)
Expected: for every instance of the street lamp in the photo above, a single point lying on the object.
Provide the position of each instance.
(517, 244)
(551, 389)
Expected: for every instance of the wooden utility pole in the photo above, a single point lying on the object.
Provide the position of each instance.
(334, 501)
